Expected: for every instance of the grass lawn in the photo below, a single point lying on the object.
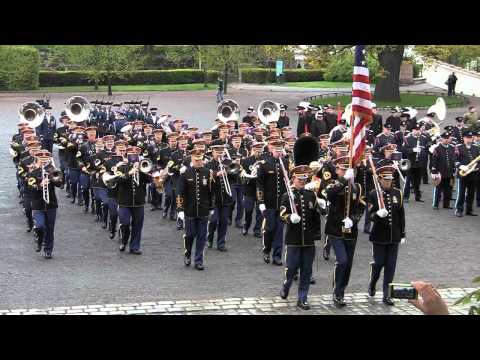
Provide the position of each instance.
(406, 100)
(318, 84)
(128, 88)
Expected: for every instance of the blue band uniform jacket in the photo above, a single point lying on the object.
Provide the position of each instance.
(270, 182)
(195, 195)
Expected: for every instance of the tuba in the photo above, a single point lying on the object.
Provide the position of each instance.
(77, 108)
(440, 110)
(268, 111)
(228, 110)
(32, 114)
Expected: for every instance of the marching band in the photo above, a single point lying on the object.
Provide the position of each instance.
(116, 158)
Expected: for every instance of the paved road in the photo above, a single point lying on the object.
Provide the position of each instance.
(88, 269)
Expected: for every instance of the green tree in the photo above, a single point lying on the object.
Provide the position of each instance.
(104, 61)
(459, 55)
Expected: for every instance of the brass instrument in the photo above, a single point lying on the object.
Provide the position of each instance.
(77, 108)
(109, 180)
(268, 111)
(32, 114)
(228, 110)
(228, 189)
(470, 167)
(440, 110)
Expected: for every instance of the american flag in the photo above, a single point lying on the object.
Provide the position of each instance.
(361, 104)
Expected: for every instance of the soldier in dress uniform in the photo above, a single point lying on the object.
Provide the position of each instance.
(195, 204)
(96, 183)
(249, 173)
(443, 165)
(377, 122)
(283, 120)
(399, 135)
(459, 129)
(299, 237)
(331, 118)
(87, 151)
(72, 157)
(154, 152)
(416, 147)
(337, 132)
(223, 200)
(464, 154)
(394, 118)
(249, 117)
(304, 118)
(364, 177)
(47, 129)
(270, 189)
(44, 211)
(383, 139)
(177, 168)
(237, 153)
(388, 230)
(131, 201)
(342, 224)
(167, 162)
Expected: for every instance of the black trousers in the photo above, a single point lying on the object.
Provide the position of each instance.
(384, 257)
(444, 190)
(413, 180)
(465, 185)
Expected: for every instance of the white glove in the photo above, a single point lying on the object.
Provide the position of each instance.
(403, 241)
(416, 149)
(183, 169)
(262, 207)
(295, 218)
(349, 174)
(310, 186)
(181, 215)
(348, 223)
(382, 213)
(212, 212)
(463, 167)
(322, 203)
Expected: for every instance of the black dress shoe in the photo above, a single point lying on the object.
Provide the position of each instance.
(68, 196)
(434, 207)
(283, 293)
(419, 200)
(244, 232)
(199, 267)
(276, 262)
(366, 231)
(48, 255)
(164, 215)
(266, 258)
(122, 247)
(153, 208)
(72, 201)
(388, 301)
(187, 261)
(85, 210)
(257, 235)
(39, 247)
(448, 207)
(326, 255)
(80, 203)
(471, 214)
(136, 252)
(229, 222)
(313, 281)
(238, 225)
(371, 291)
(223, 249)
(209, 244)
(339, 302)
(29, 229)
(295, 277)
(304, 305)
(459, 213)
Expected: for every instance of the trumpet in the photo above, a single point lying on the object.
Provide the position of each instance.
(471, 167)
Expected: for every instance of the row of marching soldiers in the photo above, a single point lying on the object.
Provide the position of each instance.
(449, 155)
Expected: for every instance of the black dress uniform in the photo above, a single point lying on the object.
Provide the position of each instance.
(222, 205)
(381, 141)
(342, 242)
(418, 161)
(270, 189)
(443, 163)
(466, 185)
(299, 240)
(249, 198)
(386, 234)
(195, 199)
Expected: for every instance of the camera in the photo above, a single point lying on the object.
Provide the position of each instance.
(402, 291)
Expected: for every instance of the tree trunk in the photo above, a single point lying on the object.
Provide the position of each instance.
(95, 84)
(388, 86)
(225, 77)
(205, 76)
(109, 82)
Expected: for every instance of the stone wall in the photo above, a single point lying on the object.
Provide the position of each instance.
(406, 74)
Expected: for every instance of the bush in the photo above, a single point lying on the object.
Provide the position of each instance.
(417, 70)
(19, 67)
(138, 77)
(341, 68)
(263, 76)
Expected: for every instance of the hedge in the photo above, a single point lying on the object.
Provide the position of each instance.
(19, 67)
(138, 77)
(262, 76)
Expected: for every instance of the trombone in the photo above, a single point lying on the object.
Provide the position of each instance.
(228, 189)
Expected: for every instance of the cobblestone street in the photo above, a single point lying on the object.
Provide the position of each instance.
(87, 270)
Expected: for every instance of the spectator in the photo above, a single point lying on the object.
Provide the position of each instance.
(429, 302)
(220, 90)
(451, 82)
